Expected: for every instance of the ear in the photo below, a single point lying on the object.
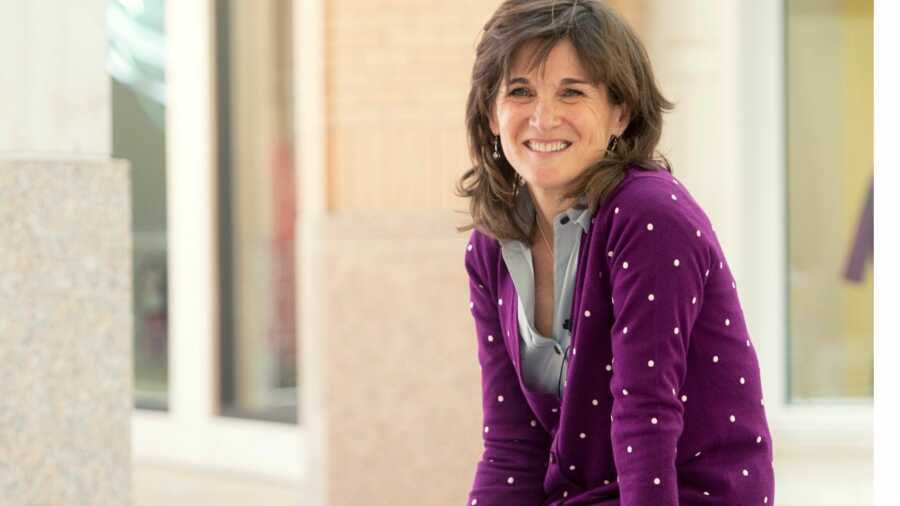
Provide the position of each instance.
(622, 116)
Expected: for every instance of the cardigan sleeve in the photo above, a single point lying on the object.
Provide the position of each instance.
(657, 264)
(516, 446)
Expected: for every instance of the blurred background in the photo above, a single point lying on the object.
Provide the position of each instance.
(300, 328)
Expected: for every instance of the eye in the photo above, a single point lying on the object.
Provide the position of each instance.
(572, 92)
(516, 92)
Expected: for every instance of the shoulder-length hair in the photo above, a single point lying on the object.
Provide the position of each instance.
(610, 52)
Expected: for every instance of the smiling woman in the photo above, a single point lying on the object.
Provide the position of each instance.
(585, 241)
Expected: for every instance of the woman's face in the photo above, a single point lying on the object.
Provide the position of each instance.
(553, 127)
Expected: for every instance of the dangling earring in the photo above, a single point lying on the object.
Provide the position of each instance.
(496, 154)
(613, 142)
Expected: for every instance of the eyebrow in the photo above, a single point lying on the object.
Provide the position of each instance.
(565, 81)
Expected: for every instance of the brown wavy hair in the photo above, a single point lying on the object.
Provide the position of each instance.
(610, 52)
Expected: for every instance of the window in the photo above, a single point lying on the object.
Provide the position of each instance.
(256, 211)
(136, 63)
(830, 177)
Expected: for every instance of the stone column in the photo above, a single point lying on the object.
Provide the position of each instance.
(65, 263)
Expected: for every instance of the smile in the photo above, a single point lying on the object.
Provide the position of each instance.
(547, 147)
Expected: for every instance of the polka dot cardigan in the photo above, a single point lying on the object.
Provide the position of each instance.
(663, 401)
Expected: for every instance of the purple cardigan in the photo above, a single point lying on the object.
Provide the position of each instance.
(663, 406)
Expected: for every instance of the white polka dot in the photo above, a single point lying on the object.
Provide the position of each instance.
(745, 472)
(474, 502)
(720, 265)
(727, 322)
(733, 285)
(650, 297)
(572, 467)
(625, 330)
(480, 285)
(748, 343)
(697, 454)
(617, 210)
(624, 265)
(707, 273)
(554, 410)
(565, 493)
(766, 500)
(629, 449)
(587, 314)
(582, 435)
(673, 393)
(490, 338)
(731, 418)
(624, 391)
(500, 301)
(715, 358)
(610, 254)
(654, 421)
(674, 197)
(674, 181)
(656, 481)
(650, 363)
(705, 493)
(469, 247)
(758, 439)
(486, 428)
(675, 330)
(694, 300)
(613, 299)
(533, 423)
(698, 232)
(471, 304)
(683, 398)
(594, 402)
(500, 398)
(606, 482)
(649, 226)
(742, 380)
(608, 367)
(574, 350)
(510, 480)
(761, 402)
(677, 262)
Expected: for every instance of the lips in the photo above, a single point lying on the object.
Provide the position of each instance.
(547, 146)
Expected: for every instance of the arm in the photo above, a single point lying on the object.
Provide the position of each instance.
(516, 446)
(656, 300)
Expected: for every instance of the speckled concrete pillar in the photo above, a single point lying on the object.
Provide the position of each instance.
(65, 332)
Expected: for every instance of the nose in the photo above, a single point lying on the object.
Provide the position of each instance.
(544, 116)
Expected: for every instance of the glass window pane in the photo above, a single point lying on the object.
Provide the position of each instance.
(136, 63)
(830, 178)
(256, 210)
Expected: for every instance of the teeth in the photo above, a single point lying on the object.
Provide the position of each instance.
(548, 148)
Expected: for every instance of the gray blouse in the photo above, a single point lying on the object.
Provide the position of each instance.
(545, 358)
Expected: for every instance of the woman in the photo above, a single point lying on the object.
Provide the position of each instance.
(616, 364)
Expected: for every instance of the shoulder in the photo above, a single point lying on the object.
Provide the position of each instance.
(645, 197)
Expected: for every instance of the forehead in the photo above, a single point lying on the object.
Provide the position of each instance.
(561, 61)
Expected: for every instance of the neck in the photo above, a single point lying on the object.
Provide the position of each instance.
(547, 205)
